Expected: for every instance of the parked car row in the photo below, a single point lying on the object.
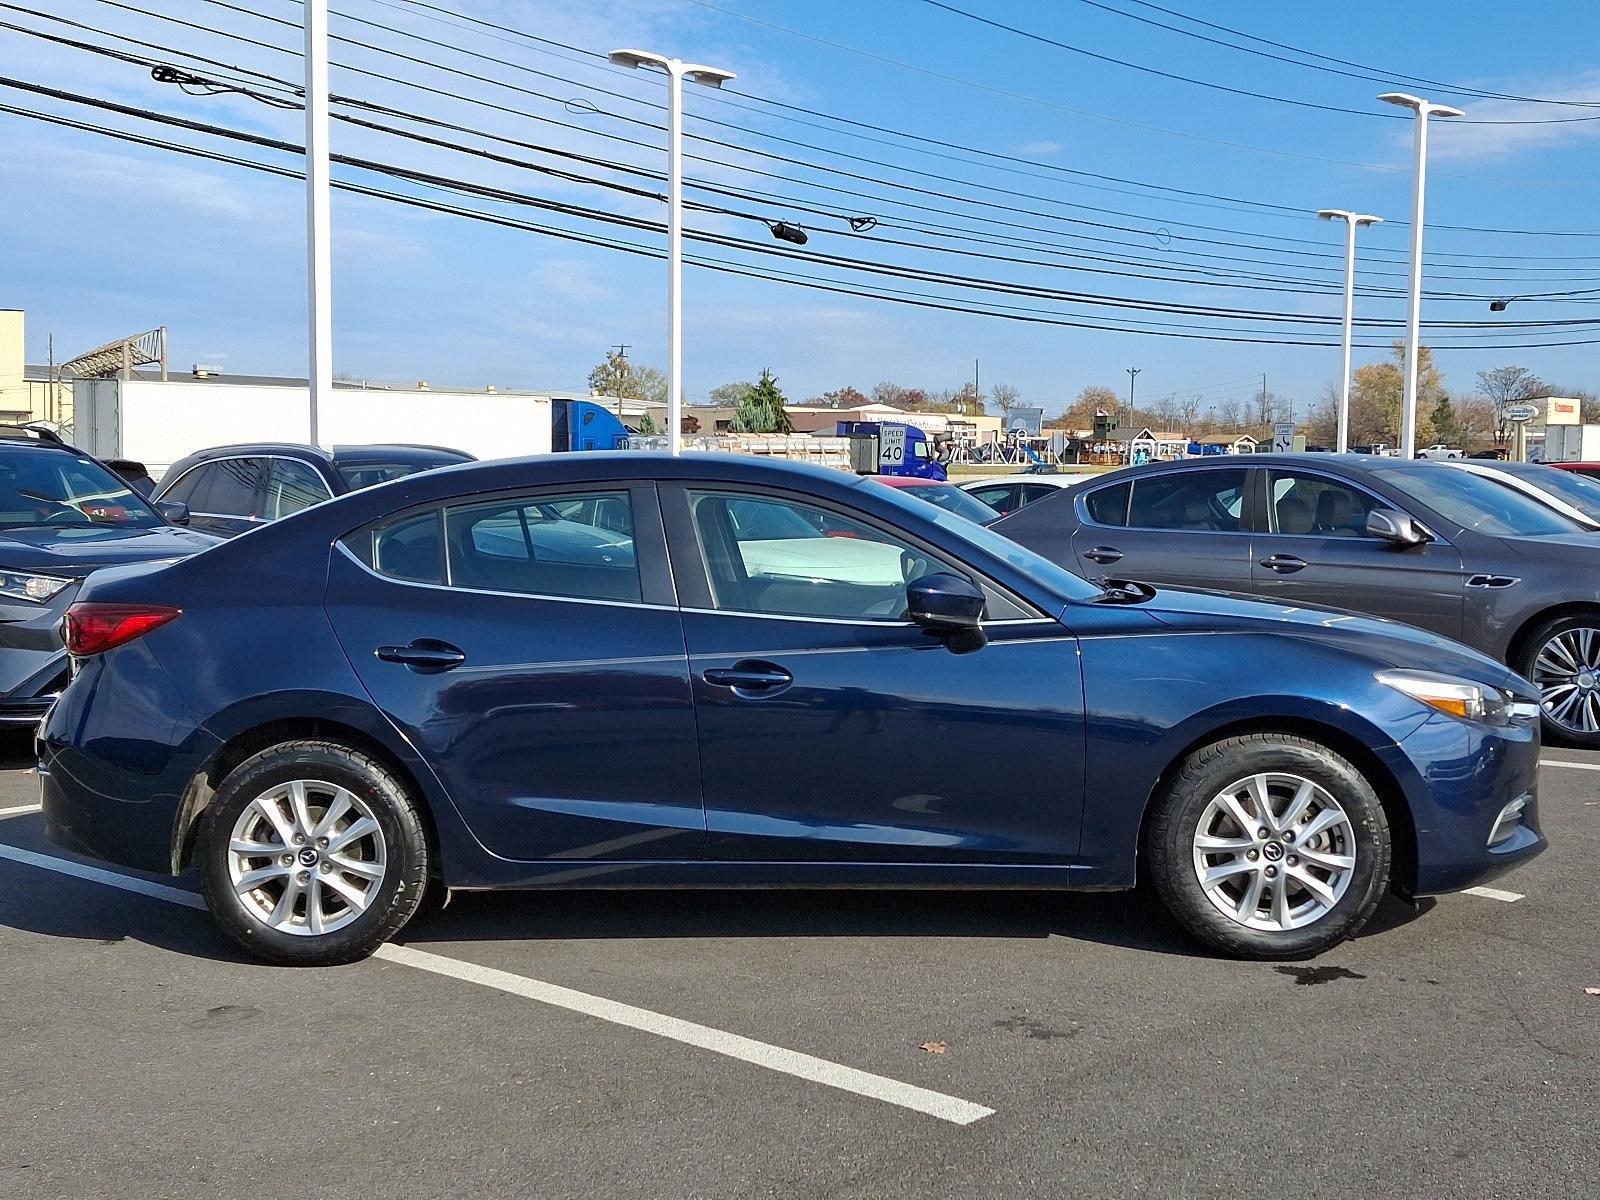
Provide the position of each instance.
(605, 670)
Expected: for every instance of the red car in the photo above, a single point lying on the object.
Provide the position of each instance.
(945, 494)
(1592, 470)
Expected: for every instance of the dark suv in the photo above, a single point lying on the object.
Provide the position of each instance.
(230, 489)
(63, 516)
(1421, 542)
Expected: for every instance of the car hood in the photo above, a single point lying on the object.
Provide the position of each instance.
(80, 550)
(1566, 546)
(1384, 643)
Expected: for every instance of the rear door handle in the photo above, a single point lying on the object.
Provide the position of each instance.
(1103, 554)
(749, 677)
(1284, 564)
(426, 656)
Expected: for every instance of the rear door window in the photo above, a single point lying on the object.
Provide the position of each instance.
(291, 486)
(1210, 501)
(230, 487)
(578, 546)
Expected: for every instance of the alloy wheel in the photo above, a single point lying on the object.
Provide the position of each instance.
(306, 857)
(1567, 673)
(1274, 851)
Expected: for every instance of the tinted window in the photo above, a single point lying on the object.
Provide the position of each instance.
(784, 557)
(579, 546)
(369, 474)
(1001, 497)
(291, 486)
(952, 499)
(410, 548)
(1197, 501)
(1474, 502)
(1108, 505)
(1314, 505)
(228, 488)
(1577, 490)
(62, 490)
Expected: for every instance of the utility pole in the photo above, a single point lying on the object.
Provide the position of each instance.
(976, 393)
(622, 349)
(1132, 373)
(1266, 414)
(319, 243)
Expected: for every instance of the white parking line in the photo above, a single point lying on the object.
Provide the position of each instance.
(1556, 762)
(732, 1045)
(1493, 894)
(19, 809)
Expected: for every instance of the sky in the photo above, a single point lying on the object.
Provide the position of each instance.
(1009, 171)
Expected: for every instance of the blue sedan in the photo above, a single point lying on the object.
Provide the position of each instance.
(628, 670)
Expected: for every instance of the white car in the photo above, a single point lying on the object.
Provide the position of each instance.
(1007, 493)
(1441, 451)
(1569, 494)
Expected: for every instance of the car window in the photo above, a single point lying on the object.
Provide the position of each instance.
(229, 487)
(1480, 504)
(545, 546)
(62, 490)
(1001, 497)
(760, 561)
(411, 548)
(1037, 491)
(1109, 505)
(369, 474)
(1315, 505)
(1210, 501)
(952, 499)
(291, 486)
(1580, 491)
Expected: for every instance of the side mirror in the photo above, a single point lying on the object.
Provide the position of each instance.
(950, 608)
(173, 512)
(1395, 527)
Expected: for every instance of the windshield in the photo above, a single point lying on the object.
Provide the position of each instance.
(1577, 490)
(369, 474)
(1480, 504)
(67, 491)
(952, 499)
(1059, 580)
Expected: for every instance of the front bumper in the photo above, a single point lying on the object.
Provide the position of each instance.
(1463, 777)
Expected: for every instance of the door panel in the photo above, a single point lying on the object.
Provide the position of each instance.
(1320, 522)
(563, 728)
(833, 730)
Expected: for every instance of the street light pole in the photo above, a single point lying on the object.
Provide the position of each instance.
(1352, 221)
(319, 241)
(677, 71)
(1132, 372)
(1423, 110)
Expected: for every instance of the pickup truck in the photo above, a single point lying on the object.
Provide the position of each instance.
(1441, 451)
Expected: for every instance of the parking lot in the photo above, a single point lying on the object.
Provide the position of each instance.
(797, 1044)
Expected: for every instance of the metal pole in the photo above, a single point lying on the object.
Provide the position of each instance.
(675, 256)
(1343, 444)
(162, 331)
(1408, 408)
(319, 243)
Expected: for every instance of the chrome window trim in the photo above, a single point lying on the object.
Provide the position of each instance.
(675, 608)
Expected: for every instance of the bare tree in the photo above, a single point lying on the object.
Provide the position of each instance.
(1505, 386)
(1005, 397)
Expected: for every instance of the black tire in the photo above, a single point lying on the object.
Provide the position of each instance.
(1536, 640)
(1171, 854)
(393, 898)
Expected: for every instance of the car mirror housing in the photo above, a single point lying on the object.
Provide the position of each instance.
(173, 512)
(1395, 527)
(950, 608)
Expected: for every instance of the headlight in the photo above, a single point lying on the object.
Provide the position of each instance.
(1462, 697)
(38, 588)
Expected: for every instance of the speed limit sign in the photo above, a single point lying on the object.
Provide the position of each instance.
(891, 446)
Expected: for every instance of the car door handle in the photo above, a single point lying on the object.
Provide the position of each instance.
(1284, 564)
(424, 656)
(1103, 554)
(748, 677)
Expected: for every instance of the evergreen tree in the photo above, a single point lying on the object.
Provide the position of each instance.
(761, 410)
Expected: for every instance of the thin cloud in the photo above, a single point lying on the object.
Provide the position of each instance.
(1039, 149)
(1458, 142)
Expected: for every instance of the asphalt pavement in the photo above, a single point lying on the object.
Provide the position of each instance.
(789, 1044)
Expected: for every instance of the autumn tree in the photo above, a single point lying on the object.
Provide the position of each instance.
(730, 394)
(1006, 397)
(896, 396)
(652, 384)
(845, 397)
(1081, 413)
(615, 376)
(1377, 393)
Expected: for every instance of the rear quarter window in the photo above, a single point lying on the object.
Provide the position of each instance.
(1108, 505)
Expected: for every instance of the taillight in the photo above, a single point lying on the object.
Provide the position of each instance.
(95, 628)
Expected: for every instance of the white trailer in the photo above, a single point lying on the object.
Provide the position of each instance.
(1572, 443)
(158, 423)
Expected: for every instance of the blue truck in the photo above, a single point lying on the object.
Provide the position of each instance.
(584, 425)
(891, 448)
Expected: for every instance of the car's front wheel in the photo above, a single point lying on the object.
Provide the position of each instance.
(1562, 659)
(312, 854)
(1269, 846)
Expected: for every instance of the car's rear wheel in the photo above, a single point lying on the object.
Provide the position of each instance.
(312, 854)
(1269, 846)
(1562, 659)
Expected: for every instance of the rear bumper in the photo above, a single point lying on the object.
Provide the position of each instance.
(1464, 777)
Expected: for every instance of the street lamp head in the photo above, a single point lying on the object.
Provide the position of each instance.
(1366, 219)
(693, 72)
(1334, 214)
(1420, 106)
(1400, 98)
(710, 76)
(639, 58)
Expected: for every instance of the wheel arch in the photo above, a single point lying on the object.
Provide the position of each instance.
(1520, 640)
(250, 739)
(1396, 808)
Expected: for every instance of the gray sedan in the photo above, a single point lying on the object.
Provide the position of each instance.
(1419, 542)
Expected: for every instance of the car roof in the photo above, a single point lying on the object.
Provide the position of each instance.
(237, 448)
(391, 451)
